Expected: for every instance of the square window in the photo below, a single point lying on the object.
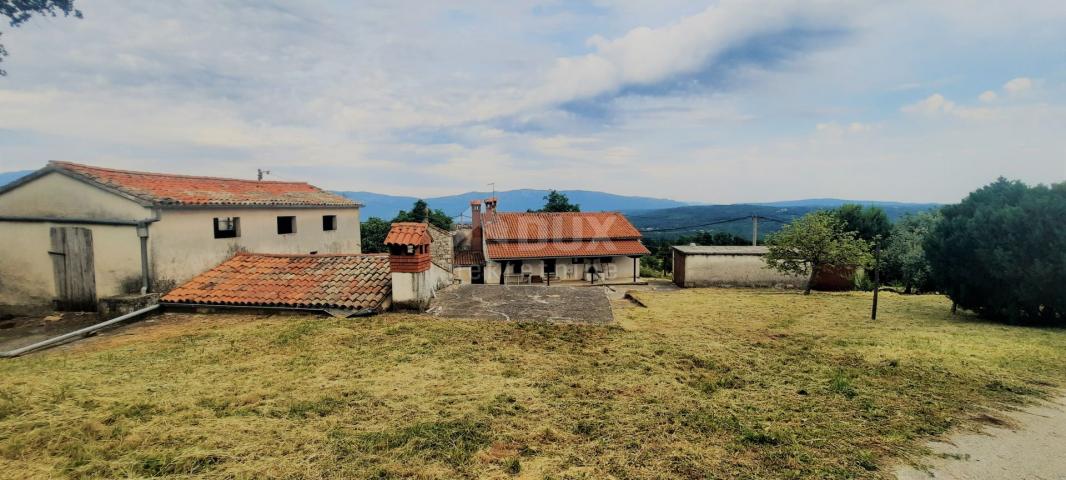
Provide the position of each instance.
(227, 227)
(516, 267)
(286, 225)
(329, 222)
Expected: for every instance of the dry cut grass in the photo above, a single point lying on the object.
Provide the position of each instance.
(701, 384)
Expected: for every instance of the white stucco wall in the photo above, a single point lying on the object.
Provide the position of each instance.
(183, 243)
(734, 270)
(26, 275)
(57, 195)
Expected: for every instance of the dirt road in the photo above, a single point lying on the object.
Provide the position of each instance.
(1031, 444)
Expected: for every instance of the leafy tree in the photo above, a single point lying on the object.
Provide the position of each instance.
(374, 230)
(814, 241)
(866, 222)
(1001, 252)
(420, 212)
(903, 258)
(558, 202)
(20, 11)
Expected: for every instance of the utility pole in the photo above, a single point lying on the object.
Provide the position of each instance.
(877, 275)
(262, 172)
(754, 230)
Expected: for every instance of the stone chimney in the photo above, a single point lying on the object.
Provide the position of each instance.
(477, 229)
(490, 206)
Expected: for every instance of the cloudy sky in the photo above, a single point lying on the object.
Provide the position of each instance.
(725, 102)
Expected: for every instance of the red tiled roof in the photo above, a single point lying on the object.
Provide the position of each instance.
(305, 281)
(585, 248)
(468, 258)
(169, 189)
(408, 233)
(558, 226)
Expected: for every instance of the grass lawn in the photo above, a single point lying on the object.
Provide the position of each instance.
(701, 384)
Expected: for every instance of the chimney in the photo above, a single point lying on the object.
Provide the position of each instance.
(490, 205)
(475, 232)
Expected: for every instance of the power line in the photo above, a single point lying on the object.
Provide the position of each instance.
(714, 222)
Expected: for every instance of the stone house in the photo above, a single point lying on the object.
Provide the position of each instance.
(522, 247)
(73, 233)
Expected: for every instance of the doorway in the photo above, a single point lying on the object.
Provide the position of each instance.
(72, 265)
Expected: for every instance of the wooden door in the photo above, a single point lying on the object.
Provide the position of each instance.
(72, 264)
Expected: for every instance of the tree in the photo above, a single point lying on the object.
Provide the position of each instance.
(1000, 252)
(20, 11)
(374, 230)
(558, 202)
(420, 212)
(812, 242)
(866, 222)
(904, 259)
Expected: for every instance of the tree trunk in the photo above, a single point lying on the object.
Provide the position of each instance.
(810, 281)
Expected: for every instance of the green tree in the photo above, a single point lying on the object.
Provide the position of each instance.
(1001, 252)
(420, 212)
(903, 258)
(20, 11)
(814, 241)
(866, 222)
(558, 202)
(373, 232)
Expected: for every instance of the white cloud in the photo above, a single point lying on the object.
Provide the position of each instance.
(988, 96)
(937, 104)
(1018, 85)
(646, 56)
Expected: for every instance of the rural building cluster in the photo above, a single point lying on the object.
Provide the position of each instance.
(77, 235)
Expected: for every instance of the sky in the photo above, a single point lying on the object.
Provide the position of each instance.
(722, 102)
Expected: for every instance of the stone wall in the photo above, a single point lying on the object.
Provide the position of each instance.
(441, 250)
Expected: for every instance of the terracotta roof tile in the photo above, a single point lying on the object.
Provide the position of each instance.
(305, 281)
(468, 258)
(558, 226)
(586, 248)
(169, 189)
(408, 233)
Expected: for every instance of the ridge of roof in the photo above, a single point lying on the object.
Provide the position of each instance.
(168, 189)
(64, 164)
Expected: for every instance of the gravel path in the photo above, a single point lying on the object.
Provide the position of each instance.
(1030, 445)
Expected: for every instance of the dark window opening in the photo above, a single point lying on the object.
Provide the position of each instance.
(286, 225)
(605, 260)
(227, 227)
(577, 260)
(329, 222)
(549, 266)
(516, 267)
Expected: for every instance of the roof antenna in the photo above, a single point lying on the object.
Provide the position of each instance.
(493, 184)
(262, 172)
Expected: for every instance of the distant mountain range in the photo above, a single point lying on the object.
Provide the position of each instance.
(8, 177)
(653, 216)
(386, 206)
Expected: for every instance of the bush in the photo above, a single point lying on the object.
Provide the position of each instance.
(1001, 251)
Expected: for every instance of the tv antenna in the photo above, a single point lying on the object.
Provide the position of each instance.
(262, 172)
(493, 185)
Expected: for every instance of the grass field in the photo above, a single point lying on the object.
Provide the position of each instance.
(701, 384)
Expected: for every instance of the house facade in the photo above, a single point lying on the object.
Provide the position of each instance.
(521, 248)
(74, 233)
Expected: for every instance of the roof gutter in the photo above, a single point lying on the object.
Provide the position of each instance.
(327, 310)
(77, 333)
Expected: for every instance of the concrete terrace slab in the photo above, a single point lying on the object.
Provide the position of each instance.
(524, 303)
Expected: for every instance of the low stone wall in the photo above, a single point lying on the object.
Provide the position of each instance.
(117, 306)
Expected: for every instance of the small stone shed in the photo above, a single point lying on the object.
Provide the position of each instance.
(741, 266)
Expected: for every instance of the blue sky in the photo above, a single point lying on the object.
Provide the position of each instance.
(721, 102)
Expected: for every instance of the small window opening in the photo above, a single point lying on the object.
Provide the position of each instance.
(329, 222)
(227, 227)
(286, 225)
(516, 267)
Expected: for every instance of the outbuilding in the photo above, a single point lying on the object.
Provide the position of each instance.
(740, 266)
